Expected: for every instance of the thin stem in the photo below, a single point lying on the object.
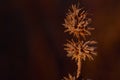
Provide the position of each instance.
(78, 67)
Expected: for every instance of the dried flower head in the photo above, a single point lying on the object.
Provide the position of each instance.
(76, 22)
(70, 77)
(79, 49)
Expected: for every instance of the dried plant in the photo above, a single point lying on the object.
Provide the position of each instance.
(70, 77)
(76, 23)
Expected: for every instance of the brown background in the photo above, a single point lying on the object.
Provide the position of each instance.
(32, 38)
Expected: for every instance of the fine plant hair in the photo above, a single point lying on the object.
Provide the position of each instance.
(76, 24)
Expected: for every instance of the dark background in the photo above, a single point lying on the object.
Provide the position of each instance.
(32, 38)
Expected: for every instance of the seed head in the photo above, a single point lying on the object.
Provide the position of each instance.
(76, 22)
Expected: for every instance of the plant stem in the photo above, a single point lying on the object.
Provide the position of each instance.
(78, 67)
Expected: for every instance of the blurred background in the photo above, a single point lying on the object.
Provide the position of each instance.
(32, 38)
